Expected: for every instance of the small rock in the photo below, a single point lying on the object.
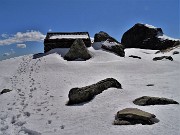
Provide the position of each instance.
(133, 56)
(175, 52)
(150, 85)
(163, 57)
(146, 100)
(84, 94)
(62, 126)
(5, 91)
(49, 121)
(27, 114)
(132, 116)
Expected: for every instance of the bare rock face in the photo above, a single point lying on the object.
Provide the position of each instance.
(146, 100)
(132, 116)
(77, 51)
(84, 94)
(163, 57)
(145, 37)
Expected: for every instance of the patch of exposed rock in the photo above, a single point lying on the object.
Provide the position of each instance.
(175, 52)
(163, 57)
(147, 37)
(146, 100)
(132, 116)
(134, 56)
(77, 51)
(5, 91)
(114, 47)
(84, 94)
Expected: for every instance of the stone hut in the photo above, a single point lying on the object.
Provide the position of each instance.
(64, 39)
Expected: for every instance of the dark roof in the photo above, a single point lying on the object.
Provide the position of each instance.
(50, 34)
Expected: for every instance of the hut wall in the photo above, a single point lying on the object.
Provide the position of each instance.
(61, 43)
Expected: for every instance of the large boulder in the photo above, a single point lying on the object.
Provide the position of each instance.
(84, 94)
(114, 47)
(103, 36)
(132, 116)
(147, 37)
(78, 51)
(146, 100)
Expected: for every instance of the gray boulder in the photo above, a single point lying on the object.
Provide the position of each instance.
(84, 94)
(103, 36)
(146, 100)
(5, 91)
(114, 47)
(163, 57)
(77, 51)
(132, 116)
(146, 37)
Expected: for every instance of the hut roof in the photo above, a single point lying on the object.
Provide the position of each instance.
(67, 35)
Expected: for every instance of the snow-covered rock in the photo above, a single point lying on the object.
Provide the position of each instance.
(146, 36)
(77, 51)
(114, 47)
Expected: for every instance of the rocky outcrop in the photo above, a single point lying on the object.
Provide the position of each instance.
(77, 51)
(163, 57)
(146, 100)
(84, 94)
(132, 116)
(5, 91)
(114, 47)
(147, 37)
(103, 36)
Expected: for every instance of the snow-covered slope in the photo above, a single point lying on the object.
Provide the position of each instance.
(37, 104)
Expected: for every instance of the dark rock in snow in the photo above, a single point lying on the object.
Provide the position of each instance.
(132, 116)
(146, 100)
(145, 37)
(103, 36)
(163, 57)
(114, 47)
(84, 94)
(150, 85)
(133, 56)
(5, 91)
(77, 51)
(175, 52)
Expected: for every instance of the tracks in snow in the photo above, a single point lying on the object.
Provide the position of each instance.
(24, 85)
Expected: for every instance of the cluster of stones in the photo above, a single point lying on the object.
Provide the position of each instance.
(127, 116)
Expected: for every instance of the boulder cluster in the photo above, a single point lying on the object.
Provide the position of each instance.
(141, 36)
(127, 116)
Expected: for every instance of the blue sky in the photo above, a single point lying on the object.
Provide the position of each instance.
(24, 23)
